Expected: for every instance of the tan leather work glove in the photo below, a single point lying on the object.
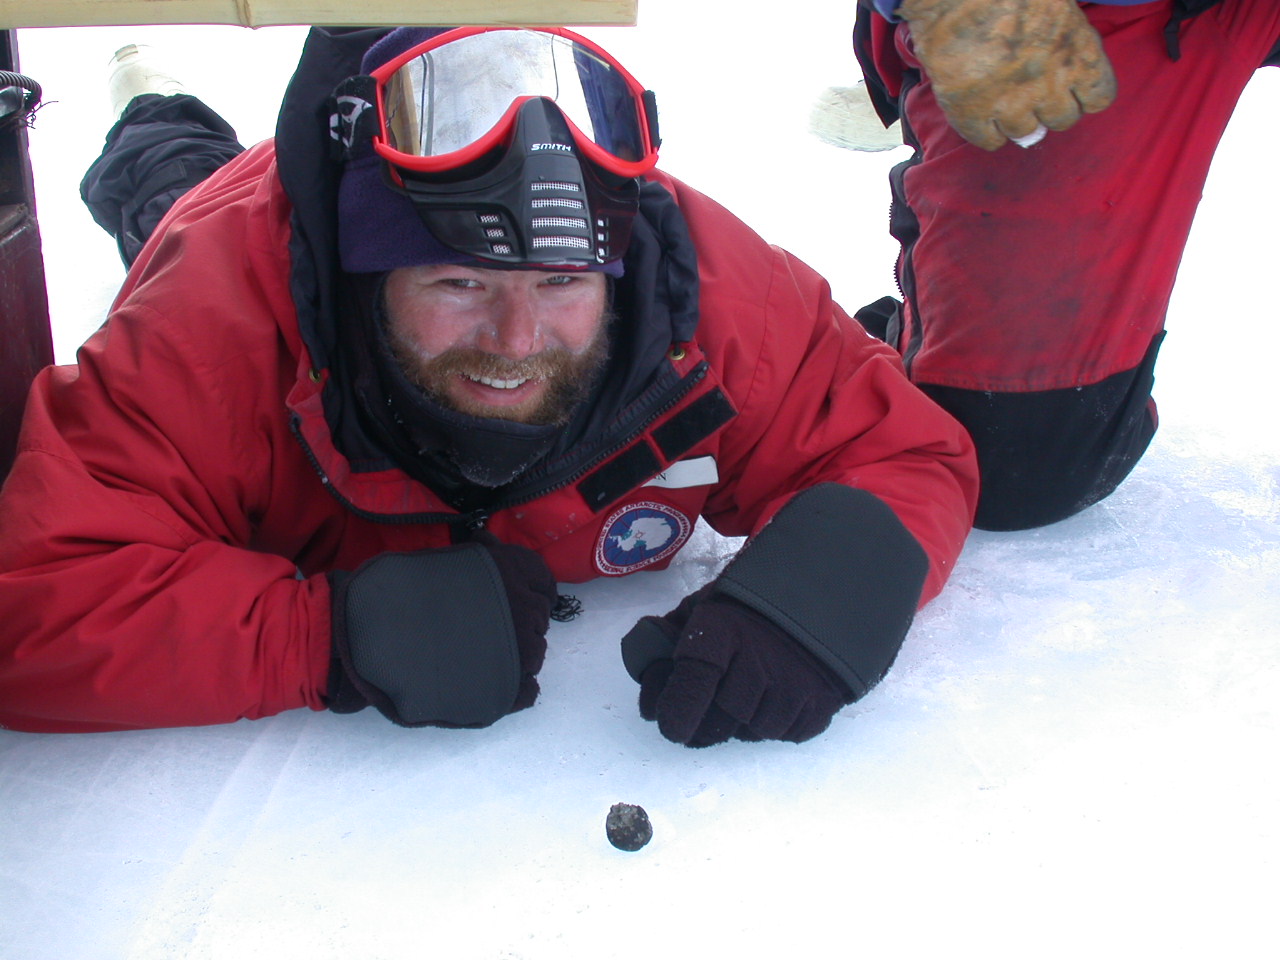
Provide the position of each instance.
(1000, 68)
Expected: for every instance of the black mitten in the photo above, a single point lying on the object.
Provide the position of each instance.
(531, 592)
(451, 637)
(734, 674)
(807, 617)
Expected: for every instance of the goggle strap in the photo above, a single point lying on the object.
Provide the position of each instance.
(650, 101)
(353, 117)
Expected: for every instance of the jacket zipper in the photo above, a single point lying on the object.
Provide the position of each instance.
(478, 518)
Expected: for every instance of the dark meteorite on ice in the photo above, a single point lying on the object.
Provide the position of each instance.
(628, 827)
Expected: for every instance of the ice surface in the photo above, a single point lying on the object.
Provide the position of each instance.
(1075, 755)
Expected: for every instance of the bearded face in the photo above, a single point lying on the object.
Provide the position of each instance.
(517, 345)
(539, 389)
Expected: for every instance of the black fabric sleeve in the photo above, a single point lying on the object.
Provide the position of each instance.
(838, 572)
(160, 148)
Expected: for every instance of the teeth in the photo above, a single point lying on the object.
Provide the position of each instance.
(500, 384)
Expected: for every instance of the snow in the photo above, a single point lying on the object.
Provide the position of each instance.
(1075, 754)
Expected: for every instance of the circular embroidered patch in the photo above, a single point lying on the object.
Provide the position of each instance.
(640, 534)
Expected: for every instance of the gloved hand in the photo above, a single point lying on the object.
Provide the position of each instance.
(452, 637)
(1001, 67)
(732, 673)
(808, 617)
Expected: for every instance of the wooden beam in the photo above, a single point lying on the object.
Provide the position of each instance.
(266, 13)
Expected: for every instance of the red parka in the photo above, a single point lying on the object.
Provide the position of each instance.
(178, 495)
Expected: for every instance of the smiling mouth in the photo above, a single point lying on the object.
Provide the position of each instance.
(496, 383)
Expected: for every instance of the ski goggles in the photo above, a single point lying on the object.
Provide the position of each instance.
(452, 99)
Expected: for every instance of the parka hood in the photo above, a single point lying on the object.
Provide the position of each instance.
(656, 300)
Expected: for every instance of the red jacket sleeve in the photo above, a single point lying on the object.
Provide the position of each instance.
(825, 401)
(130, 588)
(130, 593)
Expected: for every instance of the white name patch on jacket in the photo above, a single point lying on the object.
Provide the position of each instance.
(698, 472)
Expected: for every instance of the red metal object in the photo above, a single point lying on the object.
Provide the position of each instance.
(26, 344)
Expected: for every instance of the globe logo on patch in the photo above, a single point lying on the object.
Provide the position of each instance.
(638, 535)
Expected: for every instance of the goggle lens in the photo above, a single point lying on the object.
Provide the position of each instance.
(425, 117)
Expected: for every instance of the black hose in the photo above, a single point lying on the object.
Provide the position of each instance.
(31, 93)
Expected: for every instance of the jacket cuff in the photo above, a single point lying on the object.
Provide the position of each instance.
(839, 573)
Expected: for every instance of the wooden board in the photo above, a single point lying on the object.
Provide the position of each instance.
(264, 13)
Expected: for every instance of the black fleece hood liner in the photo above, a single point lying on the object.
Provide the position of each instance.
(435, 445)
(655, 302)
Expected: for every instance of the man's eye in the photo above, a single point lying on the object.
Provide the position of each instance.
(561, 280)
(462, 283)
